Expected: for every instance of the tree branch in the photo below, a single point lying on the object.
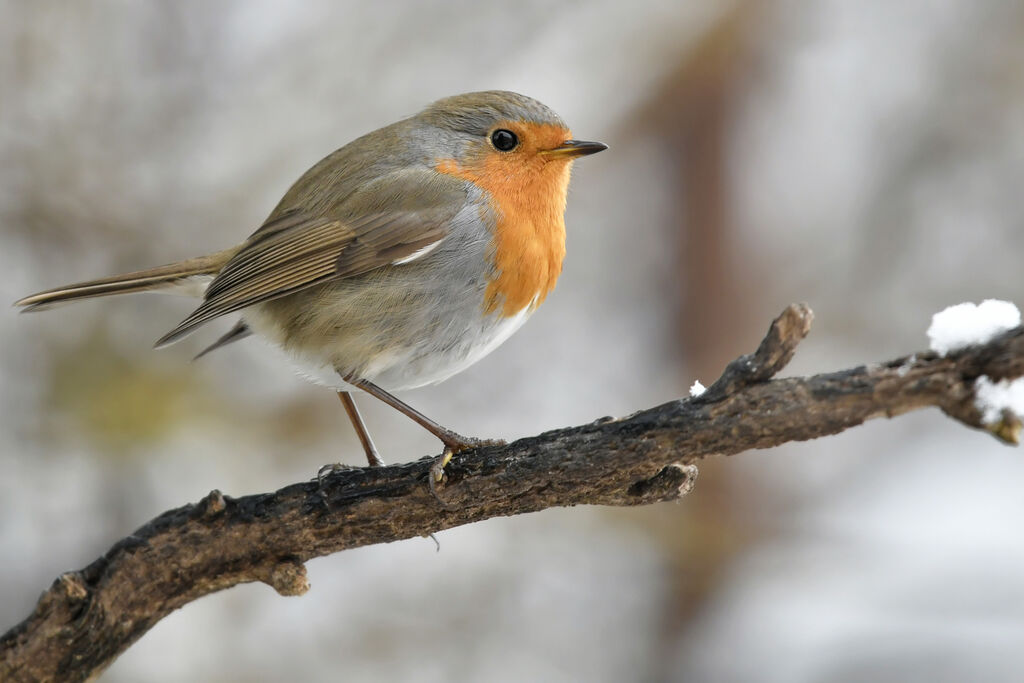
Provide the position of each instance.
(88, 617)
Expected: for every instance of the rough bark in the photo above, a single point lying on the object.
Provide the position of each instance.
(88, 617)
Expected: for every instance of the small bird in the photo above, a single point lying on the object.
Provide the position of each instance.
(398, 260)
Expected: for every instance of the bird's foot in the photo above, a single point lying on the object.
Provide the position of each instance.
(456, 443)
(453, 443)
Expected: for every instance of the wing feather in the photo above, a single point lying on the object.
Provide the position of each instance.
(294, 251)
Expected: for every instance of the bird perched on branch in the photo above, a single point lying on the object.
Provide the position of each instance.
(398, 260)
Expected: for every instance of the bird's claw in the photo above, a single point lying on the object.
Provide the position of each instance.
(329, 469)
(452, 446)
(436, 475)
(468, 443)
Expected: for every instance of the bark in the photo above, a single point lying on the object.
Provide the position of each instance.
(88, 617)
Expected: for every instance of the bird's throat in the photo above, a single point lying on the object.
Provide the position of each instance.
(527, 202)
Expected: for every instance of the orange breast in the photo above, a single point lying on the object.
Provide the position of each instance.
(527, 193)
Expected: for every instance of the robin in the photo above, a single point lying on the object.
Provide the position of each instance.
(398, 260)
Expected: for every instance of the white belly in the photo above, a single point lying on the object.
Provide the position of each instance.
(428, 362)
(406, 371)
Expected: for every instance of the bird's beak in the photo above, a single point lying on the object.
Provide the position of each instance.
(570, 149)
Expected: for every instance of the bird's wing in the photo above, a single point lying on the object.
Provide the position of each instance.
(294, 250)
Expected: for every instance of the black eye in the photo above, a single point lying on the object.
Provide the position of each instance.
(504, 140)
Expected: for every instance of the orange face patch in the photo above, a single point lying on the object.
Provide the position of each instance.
(527, 192)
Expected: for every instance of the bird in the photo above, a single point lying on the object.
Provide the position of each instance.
(396, 261)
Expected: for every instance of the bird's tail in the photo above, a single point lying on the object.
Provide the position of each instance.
(192, 274)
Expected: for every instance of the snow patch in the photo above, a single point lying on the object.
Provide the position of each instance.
(697, 389)
(966, 324)
(907, 365)
(992, 398)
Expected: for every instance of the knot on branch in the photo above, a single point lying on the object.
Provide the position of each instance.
(773, 354)
(1008, 428)
(72, 586)
(212, 504)
(672, 482)
(287, 577)
(66, 596)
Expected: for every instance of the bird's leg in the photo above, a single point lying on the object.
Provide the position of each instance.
(453, 442)
(364, 435)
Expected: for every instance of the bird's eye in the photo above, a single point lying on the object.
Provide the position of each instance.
(504, 140)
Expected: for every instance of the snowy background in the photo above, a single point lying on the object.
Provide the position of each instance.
(864, 157)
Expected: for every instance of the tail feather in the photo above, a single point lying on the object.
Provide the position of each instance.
(161, 277)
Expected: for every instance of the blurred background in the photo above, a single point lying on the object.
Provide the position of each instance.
(864, 157)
